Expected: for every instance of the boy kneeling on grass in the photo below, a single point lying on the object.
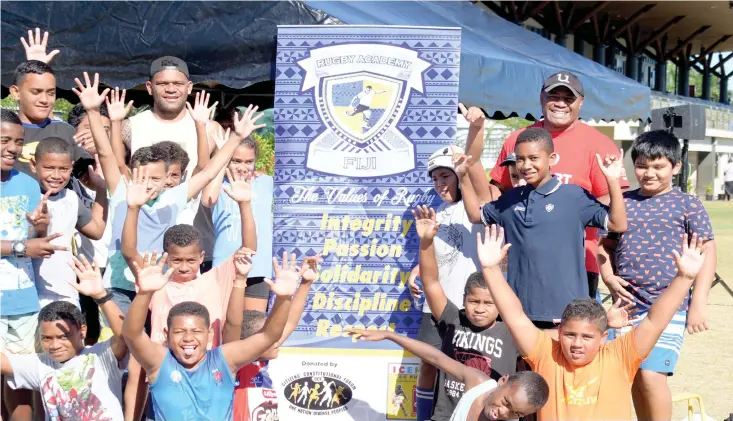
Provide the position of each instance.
(590, 378)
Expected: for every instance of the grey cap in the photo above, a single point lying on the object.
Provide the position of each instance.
(510, 159)
(168, 63)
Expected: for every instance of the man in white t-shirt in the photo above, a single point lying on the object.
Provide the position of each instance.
(76, 382)
(363, 101)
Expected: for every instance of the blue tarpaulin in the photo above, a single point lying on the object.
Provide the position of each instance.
(233, 43)
(503, 65)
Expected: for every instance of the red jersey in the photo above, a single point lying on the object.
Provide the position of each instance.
(576, 150)
(254, 398)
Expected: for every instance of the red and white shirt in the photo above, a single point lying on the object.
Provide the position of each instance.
(254, 397)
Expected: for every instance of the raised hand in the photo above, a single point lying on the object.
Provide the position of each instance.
(460, 162)
(245, 125)
(96, 177)
(116, 107)
(221, 137)
(425, 223)
(150, 276)
(612, 166)
(89, 95)
(35, 48)
(139, 189)
(42, 247)
(240, 190)
(85, 141)
(286, 277)
(490, 250)
(473, 115)
(309, 268)
(40, 217)
(90, 278)
(201, 112)
(692, 258)
(368, 335)
(243, 261)
(618, 315)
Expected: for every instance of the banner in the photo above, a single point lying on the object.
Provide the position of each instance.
(358, 111)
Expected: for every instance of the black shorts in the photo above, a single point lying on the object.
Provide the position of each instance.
(592, 284)
(257, 288)
(428, 332)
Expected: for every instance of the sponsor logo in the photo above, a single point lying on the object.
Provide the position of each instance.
(402, 391)
(318, 393)
(267, 411)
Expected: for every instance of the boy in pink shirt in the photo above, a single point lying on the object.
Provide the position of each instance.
(182, 243)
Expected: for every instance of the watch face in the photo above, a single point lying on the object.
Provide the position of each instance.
(18, 247)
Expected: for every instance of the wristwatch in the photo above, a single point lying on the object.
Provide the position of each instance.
(18, 248)
(104, 299)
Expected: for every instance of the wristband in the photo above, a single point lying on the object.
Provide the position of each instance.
(104, 299)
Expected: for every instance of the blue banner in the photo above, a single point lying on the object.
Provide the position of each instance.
(358, 111)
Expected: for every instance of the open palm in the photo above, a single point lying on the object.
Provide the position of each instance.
(425, 223)
(240, 190)
(286, 276)
(35, 48)
(90, 278)
(138, 191)
(150, 276)
(618, 315)
(89, 95)
(201, 111)
(116, 107)
(692, 258)
(245, 125)
(491, 251)
(612, 166)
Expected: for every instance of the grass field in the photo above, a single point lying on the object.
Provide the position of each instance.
(706, 364)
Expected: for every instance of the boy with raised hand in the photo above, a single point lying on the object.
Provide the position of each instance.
(471, 336)
(510, 397)
(76, 382)
(659, 215)
(187, 381)
(183, 248)
(254, 388)
(52, 165)
(547, 209)
(24, 219)
(590, 378)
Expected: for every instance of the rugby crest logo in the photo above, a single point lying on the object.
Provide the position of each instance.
(360, 92)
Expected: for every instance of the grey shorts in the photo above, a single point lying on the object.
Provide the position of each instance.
(428, 332)
(257, 288)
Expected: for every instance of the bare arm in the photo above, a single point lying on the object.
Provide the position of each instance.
(427, 227)
(490, 254)
(95, 228)
(115, 317)
(470, 200)
(474, 150)
(703, 282)
(121, 128)
(613, 169)
(689, 264)
(118, 146)
(150, 278)
(129, 238)
(211, 192)
(5, 368)
(308, 274)
(235, 310)
(242, 352)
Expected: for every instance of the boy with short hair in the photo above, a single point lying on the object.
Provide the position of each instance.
(187, 381)
(254, 388)
(52, 165)
(76, 382)
(225, 218)
(24, 219)
(643, 264)
(511, 397)
(34, 88)
(590, 379)
(471, 335)
(546, 208)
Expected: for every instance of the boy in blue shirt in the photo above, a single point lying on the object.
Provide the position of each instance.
(639, 264)
(24, 220)
(545, 220)
(187, 381)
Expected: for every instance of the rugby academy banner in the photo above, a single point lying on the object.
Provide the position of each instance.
(358, 111)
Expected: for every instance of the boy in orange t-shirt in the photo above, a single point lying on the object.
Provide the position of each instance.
(589, 378)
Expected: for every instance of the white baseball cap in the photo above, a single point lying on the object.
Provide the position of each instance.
(443, 158)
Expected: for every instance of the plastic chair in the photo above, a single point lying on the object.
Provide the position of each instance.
(690, 397)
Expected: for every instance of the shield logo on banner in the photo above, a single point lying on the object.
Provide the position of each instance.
(359, 107)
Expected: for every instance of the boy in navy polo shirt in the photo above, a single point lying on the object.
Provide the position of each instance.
(545, 221)
(659, 215)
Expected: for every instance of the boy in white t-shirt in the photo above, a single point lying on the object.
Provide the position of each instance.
(76, 382)
(52, 165)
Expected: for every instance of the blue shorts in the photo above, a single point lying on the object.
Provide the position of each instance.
(666, 352)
